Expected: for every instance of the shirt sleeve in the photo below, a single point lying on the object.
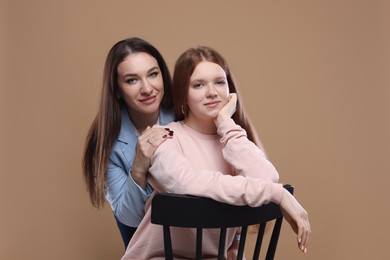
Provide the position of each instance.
(244, 155)
(127, 199)
(172, 172)
(148, 191)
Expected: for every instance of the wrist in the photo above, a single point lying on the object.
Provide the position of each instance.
(218, 120)
(139, 177)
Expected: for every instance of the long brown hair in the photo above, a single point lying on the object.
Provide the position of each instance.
(106, 125)
(185, 66)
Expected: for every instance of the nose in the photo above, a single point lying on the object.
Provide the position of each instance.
(211, 91)
(146, 88)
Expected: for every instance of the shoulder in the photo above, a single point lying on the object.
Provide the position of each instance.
(175, 126)
(175, 140)
(122, 150)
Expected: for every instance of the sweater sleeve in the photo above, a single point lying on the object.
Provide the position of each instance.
(244, 155)
(126, 198)
(172, 172)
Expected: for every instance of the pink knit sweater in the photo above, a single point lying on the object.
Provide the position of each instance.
(226, 167)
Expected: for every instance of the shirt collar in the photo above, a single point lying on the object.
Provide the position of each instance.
(128, 131)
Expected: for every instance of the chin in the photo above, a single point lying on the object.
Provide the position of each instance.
(152, 111)
(211, 116)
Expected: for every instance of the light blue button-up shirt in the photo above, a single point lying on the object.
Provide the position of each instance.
(126, 198)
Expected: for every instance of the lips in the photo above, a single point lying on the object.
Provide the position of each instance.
(148, 100)
(212, 103)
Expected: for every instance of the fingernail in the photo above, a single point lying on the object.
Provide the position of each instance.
(164, 136)
(167, 129)
(305, 250)
(299, 241)
(170, 133)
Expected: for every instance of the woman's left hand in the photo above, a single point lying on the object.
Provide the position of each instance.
(228, 110)
(297, 217)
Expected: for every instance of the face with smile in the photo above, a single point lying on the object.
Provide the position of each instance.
(141, 84)
(208, 92)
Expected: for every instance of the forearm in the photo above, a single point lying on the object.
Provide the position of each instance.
(126, 198)
(180, 177)
(244, 155)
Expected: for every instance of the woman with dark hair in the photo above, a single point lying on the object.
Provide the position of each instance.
(135, 99)
(214, 153)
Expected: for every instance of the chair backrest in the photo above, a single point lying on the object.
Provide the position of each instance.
(198, 212)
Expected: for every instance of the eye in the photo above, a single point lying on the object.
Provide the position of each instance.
(221, 82)
(197, 85)
(131, 81)
(154, 74)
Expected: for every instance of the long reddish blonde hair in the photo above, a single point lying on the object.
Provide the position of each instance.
(185, 66)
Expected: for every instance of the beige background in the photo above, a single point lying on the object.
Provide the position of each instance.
(314, 76)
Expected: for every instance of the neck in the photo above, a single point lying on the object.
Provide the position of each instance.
(141, 121)
(204, 126)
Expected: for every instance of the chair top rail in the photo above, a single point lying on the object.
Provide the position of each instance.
(192, 211)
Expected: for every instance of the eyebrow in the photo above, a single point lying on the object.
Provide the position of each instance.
(202, 79)
(134, 74)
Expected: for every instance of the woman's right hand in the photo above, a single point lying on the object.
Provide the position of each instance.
(148, 141)
(297, 217)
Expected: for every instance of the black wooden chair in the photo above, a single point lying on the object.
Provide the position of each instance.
(198, 212)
